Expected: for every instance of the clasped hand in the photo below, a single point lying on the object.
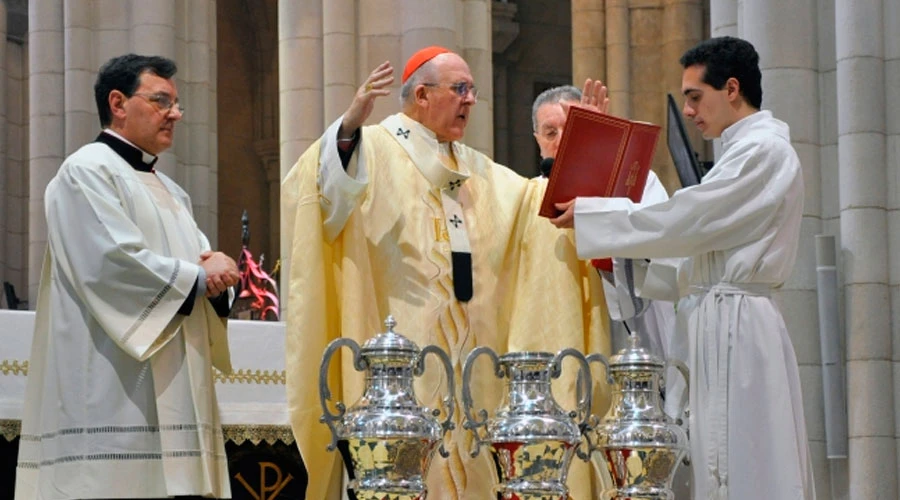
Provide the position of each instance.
(221, 272)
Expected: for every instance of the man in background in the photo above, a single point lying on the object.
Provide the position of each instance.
(130, 320)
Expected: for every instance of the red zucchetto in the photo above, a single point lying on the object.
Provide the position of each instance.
(421, 57)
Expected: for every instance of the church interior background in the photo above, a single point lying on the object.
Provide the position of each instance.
(262, 79)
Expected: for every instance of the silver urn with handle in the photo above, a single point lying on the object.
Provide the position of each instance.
(387, 439)
(532, 438)
(636, 447)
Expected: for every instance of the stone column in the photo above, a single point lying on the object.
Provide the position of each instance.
(647, 87)
(476, 50)
(429, 23)
(339, 58)
(81, 124)
(46, 106)
(267, 151)
(723, 17)
(300, 79)
(682, 28)
(860, 39)
(588, 41)
(194, 31)
(115, 38)
(16, 173)
(784, 35)
(831, 479)
(618, 54)
(4, 130)
(380, 38)
(891, 19)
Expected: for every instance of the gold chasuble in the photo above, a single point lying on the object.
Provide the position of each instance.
(374, 241)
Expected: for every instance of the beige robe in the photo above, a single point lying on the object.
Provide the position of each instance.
(120, 400)
(377, 243)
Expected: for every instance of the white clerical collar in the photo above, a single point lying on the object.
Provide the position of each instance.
(736, 129)
(148, 158)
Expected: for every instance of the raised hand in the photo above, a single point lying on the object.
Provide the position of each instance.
(594, 95)
(221, 272)
(364, 101)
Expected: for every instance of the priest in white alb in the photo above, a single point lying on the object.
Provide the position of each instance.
(130, 319)
(401, 218)
(737, 234)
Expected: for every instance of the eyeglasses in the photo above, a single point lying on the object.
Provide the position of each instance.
(462, 89)
(163, 102)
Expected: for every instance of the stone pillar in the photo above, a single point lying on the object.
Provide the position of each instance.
(618, 54)
(588, 41)
(300, 79)
(831, 479)
(476, 50)
(429, 23)
(115, 38)
(723, 17)
(860, 43)
(194, 32)
(46, 106)
(647, 87)
(891, 103)
(682, 28)
(16, 173)
(341, 79)
(4, 131)
(784, 36)
(267, 151)
(380, 39)
(81, 124)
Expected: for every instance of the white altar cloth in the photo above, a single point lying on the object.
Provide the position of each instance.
(252, 399)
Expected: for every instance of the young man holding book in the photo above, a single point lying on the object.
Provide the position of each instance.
(737, 234)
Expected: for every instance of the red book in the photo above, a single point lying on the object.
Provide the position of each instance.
(600, 155)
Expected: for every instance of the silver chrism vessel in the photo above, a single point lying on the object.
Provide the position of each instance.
(387, 438)
(531, 437)
(637, 447)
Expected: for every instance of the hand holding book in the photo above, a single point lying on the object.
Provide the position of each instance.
(600, 155)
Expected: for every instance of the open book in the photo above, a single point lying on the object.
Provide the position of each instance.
(600, 155)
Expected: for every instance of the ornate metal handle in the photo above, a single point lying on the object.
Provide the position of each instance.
(447, 425)
(584, 392)
(681, 367)
(471, 423)
(684, 412)
(593, 420)
(359, 364)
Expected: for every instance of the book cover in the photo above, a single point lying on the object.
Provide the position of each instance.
(600, 155)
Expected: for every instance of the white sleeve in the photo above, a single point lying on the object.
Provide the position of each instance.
(342, 190)
(621, 303)
(733, 206)
(132, 292)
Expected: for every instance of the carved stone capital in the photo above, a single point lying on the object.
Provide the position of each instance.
(504, 28)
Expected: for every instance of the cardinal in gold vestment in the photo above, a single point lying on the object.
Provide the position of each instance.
(400, 218)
